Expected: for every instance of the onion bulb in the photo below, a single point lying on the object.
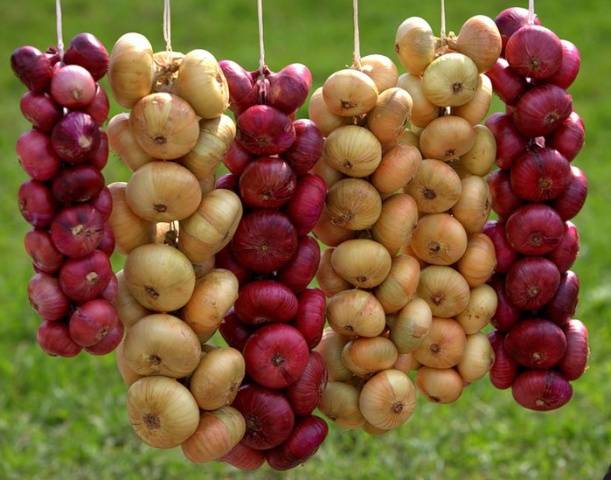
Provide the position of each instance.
(392, 111)
(480, 309)
(450, 80)
(353, 151)
(476, 109)
(356, 313)
(320, 114)
(480, 159)
(329, 281)
(473, 207)
(130, 230)
(412, 325)
(479, 38)
(423, 111)
(131, 69)
(396, 222)
(415, 45)
(364, 356)
(400, 285)
(443, 347)
(445, 290)
(349, 93)
(329, 233)
(127, 374)
(364, 263)
(439, 239)
(353, 204)
(340, 402)
(436, 187)
(477, 358)
(124, 144)
(479, 260)
(330, 348)
(398, 167)
(381, 69)
(439, 385)
(447, 138)
(128, 308)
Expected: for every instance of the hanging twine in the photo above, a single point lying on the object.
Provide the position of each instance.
(60, 36)
(531, 12)
(443, 21)
(356, 55)
(261, 40)
(167, 25)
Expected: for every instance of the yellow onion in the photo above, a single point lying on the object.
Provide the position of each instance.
(162, 344)
(478, 263)
(201, 82)
(439, 239)
(127, 374)
(164, 125)
(381, 69)
(356, 313)
(353, 204)
(353, 151)
(479, 39)
(388, 399)
(443, 347)
(397, 168)
(349, 93)
(362, 262)
(435, 188)
(215, 137)
(473, 207)
(329, 233)
(319, 113)
(212, 226)
(216, 380)
(340, 402)
(444, 289)
(480, 309)
(326, 172)
(480, 159)
(330, 348)
(166, 70)
(439, 385)
(131, 69)
(217, 434)
(423, 111)
(130, 231)
(476, 109)
(329, 281)
(128, 308)
(124, 144)
(450, 81)
(364, 356)
(412, 325)
(392, 111)
(162, 412)
(163, 192)
(406, 363)
(212, 298)
(160, 277)
(415, 45)
(477, 358)
(396, 223)
(400, 285)
(447, 138)
(203, 268)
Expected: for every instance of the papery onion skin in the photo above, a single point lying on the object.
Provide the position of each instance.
(575, 362)
(91, 322)
(564, 303)
(310, 318)
(265, 301)
(540, 175)
(301, 269)
(263, 130)
(88, 52)
(307, 204)
(83, 279)
(304, 395)
(504, 369)
(45, 257)
(242, 91)
(542, 110)
(506, 315)
(110, 342)
(54, 339)
(47, 298)
(569, 137)
(73, 87)
(32, 67)
(536, 343)
(534, 229)
(571, 201)
(565, 255)
(267, 183)
(506, 82)
(40, 110)
(36, 203)
(306, 149)
(532, 282)
(75, 137)
(36, 156)
(541, 390)
(569, 66)
(77, 231)
(512, 19)
(289, 87)
(534, 51)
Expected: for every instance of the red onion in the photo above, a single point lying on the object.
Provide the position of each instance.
(88, 52)
(268, 415)
(571, 201)
(510, 143)
(99, 106)
(504, 369)
(235, 333)
(107, 244)
(40, 248)
(264, 241)
(237, 159)
(263, 130)
(83, 279)
(575, 361)
(46, 297)
(112, 289)
(289, 87)
(305, 393)
(110, 342)
(564, 256)
(267, 183)
(506, 82)
(73, 87)
(40, 110)
(534, 229)
(32, 67)
(91, 322)
(36, 156)
(542, 110)
(77, 231)
(301, 269)
(78, 184)
(569, 137)
(99, 157)
(564, 303)
(536, 343)
(244, 458)
(242, 91)
(308, 202)
(505, 255)
(36, 203)
(569, 66)
(52, 54)
(541, 390)
(307, 149)
(310, 319)
(511, 20)
(228, 181)
(506, 315)
(103, 203)
(534, 51)
(309, 433)
(276, 355)
(54, 339)
(503, 200)
(224, 259)
(540, 175)
(75, 137)
(532, 282)
(266, 301)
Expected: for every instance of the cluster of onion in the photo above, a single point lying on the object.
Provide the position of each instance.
(451, 96)
(367, 220)
(170, 222)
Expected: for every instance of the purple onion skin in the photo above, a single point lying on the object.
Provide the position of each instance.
(564, 303)
(541, 390)
(75, 137)
(88, 52)
(32, 67)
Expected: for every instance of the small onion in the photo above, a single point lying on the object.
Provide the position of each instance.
(353, 204)
(480, 39)
(356, 313)
(450, 80)
(534, 51)
(320, 114)
(574, 363)
(399, 165)
(364, 263)
(477, 358)
(571, 201)
(505, 255)
(396, 223)
(534, 229)
(301, 269)
(447, 138)
(36, 204)
(510, 144)
(423, 111)
(542, 110)
(569, 137)
(507, 83)
(328, 279)
(541, 390)
(444, 346)
(307, 148)
(480, 159)
(532, 282)
(479, 260)
(569, 66)
(329, 233)
(444, 289)
(265, 301)
(310, 319)
(473, 207)
(130, 231)
(47, 298)
(340, 402)
(128, 308)
(502, 198)
(400, 285)
(436, 187)
(565, 254)
(263, 130)
(353, 150)
(36, 156)
(415, 45)
(40, 110)
(349, 93)
(382, 71)
(393, 109)
(480, 309)
(75, 137)
(330, 348)
(412, 326)
(439, 239)
(123, 142)
(54, 339)
(364, 356)
(440, 385)
(504, 369)
(307, 203)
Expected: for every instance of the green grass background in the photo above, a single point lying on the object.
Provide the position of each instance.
(66, 419)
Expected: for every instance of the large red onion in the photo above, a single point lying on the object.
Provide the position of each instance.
(75, 137)
(569, 66)
(110, 342)
(264, 130)
(569, 137)
(536, 343)
(504, 369)
(310, 319)
(541, 390)
(36, 203)
(265, 301)
(54, 339)
(503, 200)
(73, 87)
(510, 143)
(243, 93)
(564, 256)
(532, 282)
(81, 183)
(511, 20)
(32, 67)
(534, 51)
(40, 110)
(575, 361)
(46, 298)
(45, 257)
(307, 149)
(506, 315)
(305, 393)
(267, 183)
(235, 333)
(506, 82)
(541, 174)
(301, 269)
(534, 229)
(91, 322)
(571, 201)
(308, 202)
(564, 303)
(88, 52)
(505, 255)
(289, 87)
(36, 156)
(77, 231)
(542, 110)
(83, 279)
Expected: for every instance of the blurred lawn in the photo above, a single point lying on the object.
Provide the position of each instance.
(65, 419)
